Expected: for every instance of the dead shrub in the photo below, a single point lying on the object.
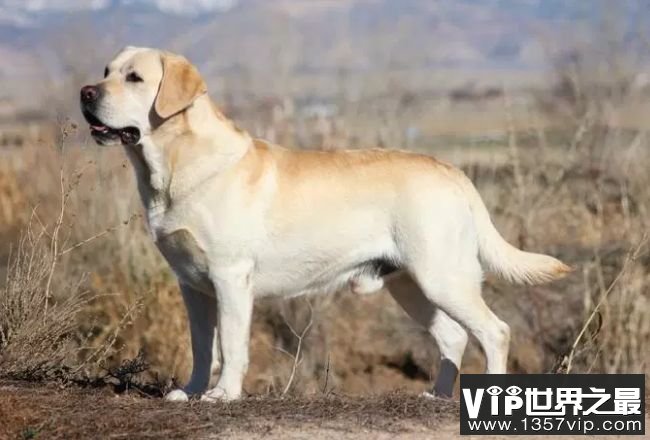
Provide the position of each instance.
(38, 335)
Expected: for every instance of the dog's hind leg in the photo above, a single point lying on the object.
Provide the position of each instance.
(450, 337)
(458, 294)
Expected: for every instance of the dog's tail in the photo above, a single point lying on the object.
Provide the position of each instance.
(503, 258)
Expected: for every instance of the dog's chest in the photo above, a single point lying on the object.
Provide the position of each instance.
(186, 258)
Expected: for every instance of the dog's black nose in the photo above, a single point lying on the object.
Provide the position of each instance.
(89, 94)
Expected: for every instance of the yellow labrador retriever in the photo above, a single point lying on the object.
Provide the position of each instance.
(239, 218)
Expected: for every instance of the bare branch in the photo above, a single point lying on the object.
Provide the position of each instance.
(297, 357)
(631, 257)
(98, 235)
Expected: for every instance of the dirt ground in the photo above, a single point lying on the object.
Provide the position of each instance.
(31, 411)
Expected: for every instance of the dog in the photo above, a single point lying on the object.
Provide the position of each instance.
(238, 218)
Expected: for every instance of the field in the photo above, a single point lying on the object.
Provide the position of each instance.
(93, 332)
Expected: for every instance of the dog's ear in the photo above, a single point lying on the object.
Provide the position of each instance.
(181, 84)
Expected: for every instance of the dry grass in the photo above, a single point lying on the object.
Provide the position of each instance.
(37, 341)
(49, 412)
(579, 190)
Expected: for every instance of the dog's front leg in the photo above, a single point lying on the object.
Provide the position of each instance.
(234, 310)
(202, 313)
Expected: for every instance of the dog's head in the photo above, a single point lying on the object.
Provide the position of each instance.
(141, 89)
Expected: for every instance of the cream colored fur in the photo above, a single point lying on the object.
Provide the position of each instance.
(239, 218)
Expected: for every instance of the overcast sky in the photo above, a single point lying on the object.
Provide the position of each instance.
(19, 7)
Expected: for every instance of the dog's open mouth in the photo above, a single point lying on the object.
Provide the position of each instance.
(104, 134)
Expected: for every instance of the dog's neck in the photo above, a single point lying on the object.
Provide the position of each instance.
(185, 151)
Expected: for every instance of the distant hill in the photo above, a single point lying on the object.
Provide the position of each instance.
(327, 32)
(296, 36)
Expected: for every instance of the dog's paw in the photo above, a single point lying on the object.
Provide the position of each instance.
(218, 394)
(433, 396)
(177, 396)
(428, 395)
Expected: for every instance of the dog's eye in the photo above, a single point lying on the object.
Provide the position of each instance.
(105, 71)
(134, 77)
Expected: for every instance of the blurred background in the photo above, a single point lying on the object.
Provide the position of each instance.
(543, 104)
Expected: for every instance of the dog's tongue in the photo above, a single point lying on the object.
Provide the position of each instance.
(101, 128)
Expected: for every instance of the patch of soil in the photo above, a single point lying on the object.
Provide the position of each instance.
(54, 412)
(49, 411)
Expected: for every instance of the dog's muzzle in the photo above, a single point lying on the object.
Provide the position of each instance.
(102, 133)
